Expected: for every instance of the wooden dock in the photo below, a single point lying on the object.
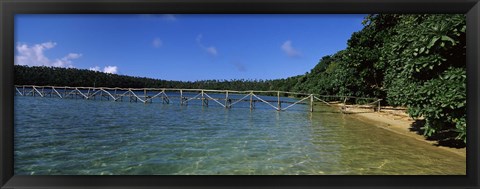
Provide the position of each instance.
(146, 95)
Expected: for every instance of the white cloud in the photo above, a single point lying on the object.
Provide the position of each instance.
(289, 50)
(157, 42)
(210, 50)
(73, 56)
(96, 68)
(110, 69)
(169, 17)
(106, 69)
(34, 55)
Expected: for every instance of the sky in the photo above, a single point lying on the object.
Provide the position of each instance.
(183, 47)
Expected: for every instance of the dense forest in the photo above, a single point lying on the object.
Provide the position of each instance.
(415, 61)
(54, 76)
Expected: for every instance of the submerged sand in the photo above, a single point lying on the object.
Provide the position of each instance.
(398, 121)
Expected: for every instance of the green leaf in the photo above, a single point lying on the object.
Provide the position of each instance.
(422, 50)
(432, 42)
(446, 38)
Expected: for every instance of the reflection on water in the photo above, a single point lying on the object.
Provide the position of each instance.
(85, 137)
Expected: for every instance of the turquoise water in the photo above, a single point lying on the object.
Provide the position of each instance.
(85, 137)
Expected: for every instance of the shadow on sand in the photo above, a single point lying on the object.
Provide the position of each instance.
(444, 138)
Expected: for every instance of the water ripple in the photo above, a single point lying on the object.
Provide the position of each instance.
(72, 137)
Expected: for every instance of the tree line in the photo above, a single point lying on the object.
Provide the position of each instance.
(416, 61)
(55, 76)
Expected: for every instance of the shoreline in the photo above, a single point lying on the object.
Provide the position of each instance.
(396, 121)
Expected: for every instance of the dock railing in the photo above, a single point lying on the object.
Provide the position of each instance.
(204, 95)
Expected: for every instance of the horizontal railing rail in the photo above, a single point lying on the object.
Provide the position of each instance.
(118, 93)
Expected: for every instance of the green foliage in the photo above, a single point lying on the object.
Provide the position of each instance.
(442, 101)
(426, 71)
(25, 75)
(417, 61)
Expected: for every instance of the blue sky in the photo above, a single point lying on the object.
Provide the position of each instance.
(185, 47)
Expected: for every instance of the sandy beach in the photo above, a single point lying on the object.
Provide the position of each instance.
(398, 121)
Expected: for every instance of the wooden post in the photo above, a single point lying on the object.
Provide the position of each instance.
(181, 97)
(251, 100)
(379, 105)
(226, 100)
(344, 108)
(165, 100)
(145, 95)
(279, 105)
(203, 100)
(130, 95)
(311, 103)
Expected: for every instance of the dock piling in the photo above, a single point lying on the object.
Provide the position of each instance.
(279, 105)
(251, 101)
(182, 101)
(311, 103)
(227, 104)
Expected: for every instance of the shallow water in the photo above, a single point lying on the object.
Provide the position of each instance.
(85, 137)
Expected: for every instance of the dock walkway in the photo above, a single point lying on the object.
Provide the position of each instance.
(227, 100)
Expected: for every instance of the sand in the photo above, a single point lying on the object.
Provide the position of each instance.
(398, 121)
